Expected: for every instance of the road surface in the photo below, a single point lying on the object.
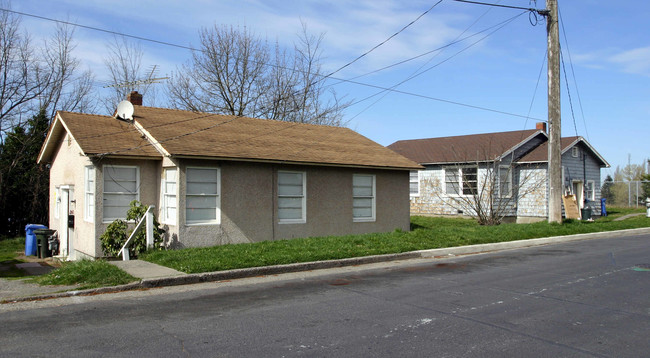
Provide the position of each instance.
(581, 299)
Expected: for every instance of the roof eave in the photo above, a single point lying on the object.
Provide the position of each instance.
(518, 145)
(295, 162)
(45, 154)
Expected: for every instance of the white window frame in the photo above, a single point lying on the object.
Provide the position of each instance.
(303, 197)
(461, 181)
(590, 184)
(373, 198)
(416, 181)
(89, 193)
(105, 169)
(168, 197)
(57, 201)
(575, 152)
(509, 172)
(217, 220)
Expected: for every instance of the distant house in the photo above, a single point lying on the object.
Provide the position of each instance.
(511, 166)
(218, 179)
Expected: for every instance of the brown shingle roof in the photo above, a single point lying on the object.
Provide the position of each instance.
(97, 134)
(461, 149)
(191, 134)
(200, 135)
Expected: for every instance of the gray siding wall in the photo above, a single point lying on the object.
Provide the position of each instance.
(585, 167)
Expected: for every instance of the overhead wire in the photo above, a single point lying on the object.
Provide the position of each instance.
(568, 89)
(416, 74)
(575, 82)
(267, 64)
(383, 42)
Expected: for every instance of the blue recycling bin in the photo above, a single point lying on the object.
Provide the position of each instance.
(603, 210)
(30, 238)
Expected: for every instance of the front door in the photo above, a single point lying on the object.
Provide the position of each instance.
(66, 226)
(578, 191)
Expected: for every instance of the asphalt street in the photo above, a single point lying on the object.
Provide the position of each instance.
(580, 299)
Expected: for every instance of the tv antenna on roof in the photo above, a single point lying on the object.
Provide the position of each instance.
(149, 80)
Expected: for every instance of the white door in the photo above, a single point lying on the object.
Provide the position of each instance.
(578, 191)
(66, 231)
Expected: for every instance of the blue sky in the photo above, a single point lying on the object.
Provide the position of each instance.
(608, 44)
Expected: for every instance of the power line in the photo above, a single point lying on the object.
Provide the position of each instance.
(566, 80)
(383, 42)
(267, 64)
(539, 77)
(456, 41)
(416, 74)
(542, 12)
(575, 82)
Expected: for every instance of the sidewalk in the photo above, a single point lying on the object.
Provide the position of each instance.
(153, 275)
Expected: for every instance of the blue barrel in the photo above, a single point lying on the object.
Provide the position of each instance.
(30, 238)
(603, 210)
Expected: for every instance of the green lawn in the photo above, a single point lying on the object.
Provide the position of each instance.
(427, 233)
(9, 251)
(87, 274)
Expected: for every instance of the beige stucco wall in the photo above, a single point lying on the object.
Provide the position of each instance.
(248, 200)
(68, 169)
(249, 204)
(149, 190)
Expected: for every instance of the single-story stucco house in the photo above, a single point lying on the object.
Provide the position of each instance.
(510, 167)
(217, 179)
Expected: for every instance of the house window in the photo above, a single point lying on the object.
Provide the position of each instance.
(292, 197)
(505, 181)
(414, 182)
(169, 196)
(121, 187)
(464, 177)
(589, 190)
(363, 202)
(575, 152)
(202, 200)
(89, 193)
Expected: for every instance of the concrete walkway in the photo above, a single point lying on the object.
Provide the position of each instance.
(628, 216)
(146, 270)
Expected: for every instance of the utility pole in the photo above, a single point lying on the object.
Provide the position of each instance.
(554, 121)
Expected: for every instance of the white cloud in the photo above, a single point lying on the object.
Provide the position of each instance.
(636, 61)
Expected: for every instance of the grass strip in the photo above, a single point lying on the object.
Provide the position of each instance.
(426, 233)
(87, 274)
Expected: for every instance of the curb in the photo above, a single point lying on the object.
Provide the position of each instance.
(318, 265)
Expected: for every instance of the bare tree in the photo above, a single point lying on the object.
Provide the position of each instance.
(235, 72)
(127, 73)
(490, 191)
(68, 88)
(22, 76)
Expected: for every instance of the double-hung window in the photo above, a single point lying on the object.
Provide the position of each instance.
(363, 201)
(121, 187)
(589, 190)
(169, 196)
(202, 200)
(89, 193)
(505, 181)
(464, 177)
(414, 182)
(292, 197)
